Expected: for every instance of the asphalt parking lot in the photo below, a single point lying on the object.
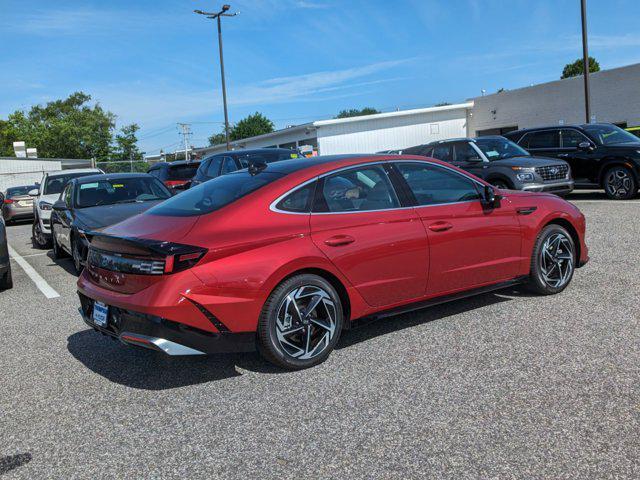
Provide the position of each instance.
(504, 385)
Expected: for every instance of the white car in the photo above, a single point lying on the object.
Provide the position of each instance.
(45, 196)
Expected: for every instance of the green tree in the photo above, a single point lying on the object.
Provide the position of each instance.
(126, 144)
(69, 128)
(354, 112)
(577, 68)
(217, 138)
(256, 124)
(6, 139)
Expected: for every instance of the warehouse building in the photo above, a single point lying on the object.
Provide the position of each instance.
(615, 98)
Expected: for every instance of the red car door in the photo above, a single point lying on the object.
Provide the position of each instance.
(378, 246)
(469, 245)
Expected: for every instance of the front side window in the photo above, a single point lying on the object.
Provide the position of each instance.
(214, 194)
(465, 152)
(442, 152)
(213, 169)
(66, 195)
(572, 138)
(544, 139)
(433, 185)
(228, 166)
(358, 190)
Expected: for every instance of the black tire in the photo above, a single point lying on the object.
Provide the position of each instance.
(77, 257)
(501, 184)
(538, 281)
(38, 237)
(619, 183)
(269, 331)
(58, 252)
(6, 280)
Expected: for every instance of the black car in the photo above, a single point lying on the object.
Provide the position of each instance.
(95, 202)
(227, 162)
(601, 155)
(6, 281)
(175, 175)
(501, 163)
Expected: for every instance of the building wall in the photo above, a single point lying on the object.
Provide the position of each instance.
(390, 133)
(615, 98)
(277, 138)
(17, 172)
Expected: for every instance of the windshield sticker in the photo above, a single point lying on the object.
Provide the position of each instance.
(492, 153)
(86, 186)
(294, 155)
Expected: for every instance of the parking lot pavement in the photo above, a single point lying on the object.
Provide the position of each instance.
(504, 385)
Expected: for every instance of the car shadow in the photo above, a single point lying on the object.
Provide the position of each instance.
(144, 369)
(587, 195)
(65, 263)
(388, 325)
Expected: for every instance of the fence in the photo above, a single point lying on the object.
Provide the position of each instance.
(125, 166)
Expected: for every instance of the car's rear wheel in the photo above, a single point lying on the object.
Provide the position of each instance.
(6, 280)
(619, 183)
(300, 323)
(76, 255)
(39, 239)
(553, 261)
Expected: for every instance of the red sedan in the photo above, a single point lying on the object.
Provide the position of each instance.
(285, 256)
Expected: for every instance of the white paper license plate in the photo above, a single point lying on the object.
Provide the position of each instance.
(25, 203)
(100, 314)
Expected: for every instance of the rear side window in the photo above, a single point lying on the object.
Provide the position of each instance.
(298, 201)
(183, 172)
(419, 150)
(156, 172)
(433, 185)
(544, 139)
(213, 169)
(213, 195)
(442, 152)
(465, 152)
(228, 166)
(359, 189)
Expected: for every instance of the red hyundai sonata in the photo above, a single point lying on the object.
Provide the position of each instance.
(283, 257)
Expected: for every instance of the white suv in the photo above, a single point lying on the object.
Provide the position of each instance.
(45, 196)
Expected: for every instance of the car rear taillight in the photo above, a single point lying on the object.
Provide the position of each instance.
(175, 183)
(141, 256)
(8, 201)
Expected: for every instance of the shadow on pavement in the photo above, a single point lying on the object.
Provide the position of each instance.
(65, 263)
(11, 462)
(587, 195)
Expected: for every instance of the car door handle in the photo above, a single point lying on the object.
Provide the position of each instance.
(526, 210)
(339, 240)
(563, 155)
(440, 226)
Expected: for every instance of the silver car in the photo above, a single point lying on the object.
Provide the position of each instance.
(18, 204)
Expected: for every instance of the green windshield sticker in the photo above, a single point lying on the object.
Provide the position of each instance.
(492, 153)
(294, 155)
(86, 186)
(118, 185)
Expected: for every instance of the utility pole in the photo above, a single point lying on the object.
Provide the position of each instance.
(186, 133)
(585, 60)
(217, 16)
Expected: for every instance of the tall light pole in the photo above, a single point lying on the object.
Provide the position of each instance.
(217, 16)
(585, 60)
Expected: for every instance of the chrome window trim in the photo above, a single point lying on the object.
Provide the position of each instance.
(273, 204)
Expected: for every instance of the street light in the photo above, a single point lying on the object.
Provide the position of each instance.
(585, 60)
(217, 16)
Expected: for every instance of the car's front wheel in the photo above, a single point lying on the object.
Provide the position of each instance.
(39, 238)
(620, 184)
(6, 280)
(553, 261)
(76, 255)
(300, 323)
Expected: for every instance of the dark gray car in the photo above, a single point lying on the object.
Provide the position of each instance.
(502, 163)
(6, 281)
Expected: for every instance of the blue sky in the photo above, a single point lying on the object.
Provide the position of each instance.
(156, 63)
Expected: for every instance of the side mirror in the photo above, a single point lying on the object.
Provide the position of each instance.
(491, 198)
(34, 192)
(585, 146)
(60, 206)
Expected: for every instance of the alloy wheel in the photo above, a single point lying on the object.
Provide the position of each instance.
(76, 257)
(306, 322)
(618, 182)
(557, 260)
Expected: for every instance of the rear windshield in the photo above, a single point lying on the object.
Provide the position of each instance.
(214, 194)
(55, 185)
(124, 190)
(19, 191)
(183, 172)
(265, 157)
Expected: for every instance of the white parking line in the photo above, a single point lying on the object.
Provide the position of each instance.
(40, 282)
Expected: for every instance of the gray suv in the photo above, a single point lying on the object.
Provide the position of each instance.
(502, 163)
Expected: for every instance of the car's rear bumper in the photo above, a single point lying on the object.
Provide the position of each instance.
(559, 188)
(15, 213)
(165, 335)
